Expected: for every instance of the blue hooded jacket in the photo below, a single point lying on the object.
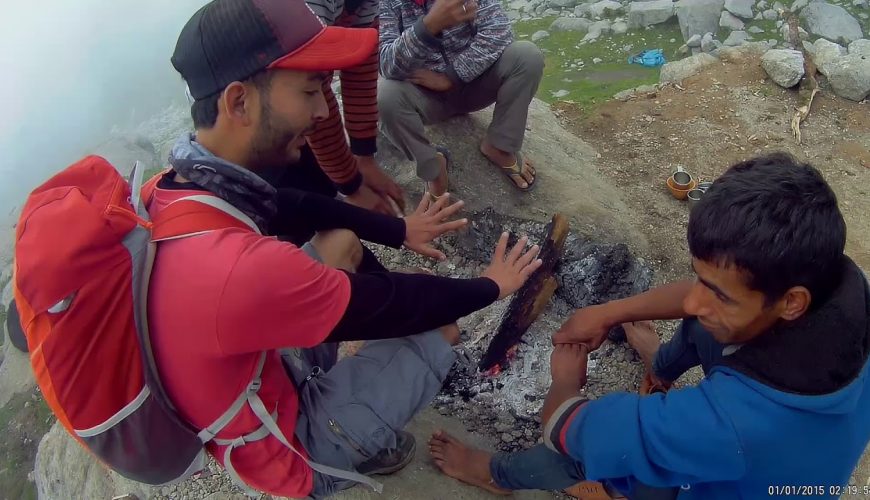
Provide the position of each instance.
(786, 415)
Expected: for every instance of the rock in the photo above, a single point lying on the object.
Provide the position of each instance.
(560, 93)
(860, 47)
(740, 8)
(583, 10)
(799, 4)
(761, 5)
(605, 7)
(570, 24)
(628, 94)
(770, 15)
(849, 76)
(784, 66)
(755, 30)
(600, 27)
(699, 16)
(825, 53)
(708, 43)
(643, 14)
(562, 4)
(730, 21)
(540, 35)
(64, 470)
(521, 5)
(832, 22)
(736, 38)
(694, 41)
(596, 60)
(619, 28)
(552, 12)
(507, 438)
(677, 71)
(861, 4)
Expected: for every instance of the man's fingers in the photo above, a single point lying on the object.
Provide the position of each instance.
(430, 251)
(517, 250)
(527, 257)
(423, 206)
(447, 212)
(500, 248)
(451, 226)
(531, 268)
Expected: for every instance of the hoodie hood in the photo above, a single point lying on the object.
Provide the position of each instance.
(819, 361)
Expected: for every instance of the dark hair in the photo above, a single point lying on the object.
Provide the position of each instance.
(205, 111)
(775, 219)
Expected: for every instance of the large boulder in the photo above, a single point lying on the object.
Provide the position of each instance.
(64, 470)
(570, 24)
(860, 47)
(569, 184)
(698, 17)
(849, 76)
(677, 71)
(604, 7)
(832, 22)
(784, 66)
(740, 8)
(562, 4)
(825, 53)
(642, 14)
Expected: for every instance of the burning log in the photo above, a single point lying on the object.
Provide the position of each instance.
(528, 303)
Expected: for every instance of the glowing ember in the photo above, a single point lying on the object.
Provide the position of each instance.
(493, 372)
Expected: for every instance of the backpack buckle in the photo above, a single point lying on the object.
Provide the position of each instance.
(255, 385)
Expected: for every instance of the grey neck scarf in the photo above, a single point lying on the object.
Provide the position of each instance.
(239, 186)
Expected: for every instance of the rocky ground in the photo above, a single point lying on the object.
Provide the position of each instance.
(603, 164)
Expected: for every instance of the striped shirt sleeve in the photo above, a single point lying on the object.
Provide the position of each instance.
(557, 427)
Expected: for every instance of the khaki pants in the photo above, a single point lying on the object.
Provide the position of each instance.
(510, 83)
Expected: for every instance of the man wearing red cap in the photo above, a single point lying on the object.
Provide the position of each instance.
(239, 317)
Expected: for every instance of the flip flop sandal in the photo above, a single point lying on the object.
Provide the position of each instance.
(517, 169)
(589, 490)
(648, 386)
(446, 154)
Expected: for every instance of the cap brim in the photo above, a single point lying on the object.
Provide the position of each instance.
(334, 48)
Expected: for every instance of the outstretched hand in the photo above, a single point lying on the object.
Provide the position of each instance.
(511, 270)
(429, 221)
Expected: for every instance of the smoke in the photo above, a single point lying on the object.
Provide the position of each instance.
(72, 70)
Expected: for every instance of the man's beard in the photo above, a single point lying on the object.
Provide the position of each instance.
(270, 147)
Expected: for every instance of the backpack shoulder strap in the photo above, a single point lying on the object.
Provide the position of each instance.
(198, 214)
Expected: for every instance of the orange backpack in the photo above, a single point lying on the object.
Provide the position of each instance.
(83, 256)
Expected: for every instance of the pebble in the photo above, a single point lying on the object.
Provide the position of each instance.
(507, 438)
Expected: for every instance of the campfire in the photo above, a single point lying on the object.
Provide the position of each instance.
(503, 373)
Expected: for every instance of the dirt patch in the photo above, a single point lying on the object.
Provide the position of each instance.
(726, 114)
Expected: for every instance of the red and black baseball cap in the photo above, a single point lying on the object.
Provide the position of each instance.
(231, 40)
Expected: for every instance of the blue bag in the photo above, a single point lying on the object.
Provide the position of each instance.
(652, 58)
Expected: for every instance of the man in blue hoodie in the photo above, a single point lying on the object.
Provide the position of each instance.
(779, 319)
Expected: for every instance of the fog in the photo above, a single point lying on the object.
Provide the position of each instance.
(72, 70)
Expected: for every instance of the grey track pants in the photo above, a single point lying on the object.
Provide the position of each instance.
(510, 83)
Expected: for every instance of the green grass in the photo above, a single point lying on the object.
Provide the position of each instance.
(591, 84)
(25, 416)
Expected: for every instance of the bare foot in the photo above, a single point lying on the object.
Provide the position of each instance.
(503, 159)
(439, 186)
(643, 338)
(464, 463)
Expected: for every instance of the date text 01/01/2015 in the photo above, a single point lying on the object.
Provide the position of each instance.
(803, 490)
